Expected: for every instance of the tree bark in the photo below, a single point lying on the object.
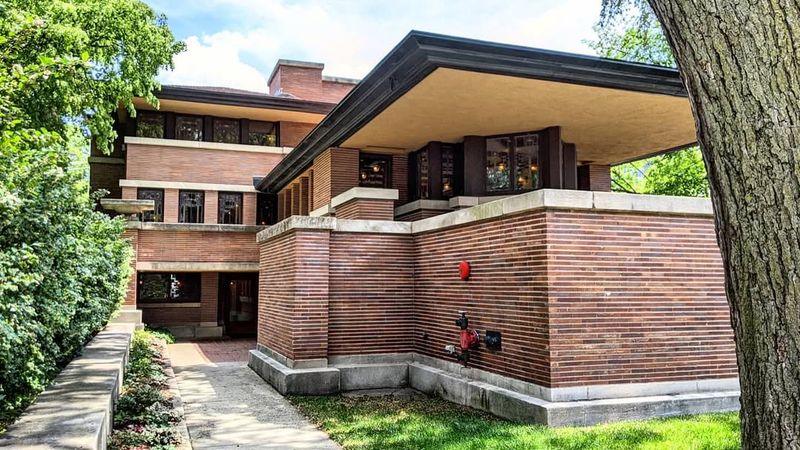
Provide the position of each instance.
(740, 61)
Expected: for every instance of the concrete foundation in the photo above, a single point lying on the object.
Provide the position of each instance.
(502, 396)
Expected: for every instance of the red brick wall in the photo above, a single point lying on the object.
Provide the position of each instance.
(636, 298)
(335, 171)
(400, 178)
(106, 176)
(197, 246)
(293, 294)
(153, 162)
(291, 133)
(594, 177)
(371, 289)
(210, 207)
(507, 292)
(209, 295)
(276, 281)
(171, 316)
(366, 210)
(249, 200)
(306, 83)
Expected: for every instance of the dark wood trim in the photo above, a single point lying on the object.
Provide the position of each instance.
(570, 166)
(474, 166)
(435, 170)
(419, 54)
(169, 130)
(254, 100)
(551, 158)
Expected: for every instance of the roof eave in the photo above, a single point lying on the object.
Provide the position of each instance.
(238, 99)
(419, 54)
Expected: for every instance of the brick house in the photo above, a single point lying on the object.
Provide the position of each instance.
(458, 176)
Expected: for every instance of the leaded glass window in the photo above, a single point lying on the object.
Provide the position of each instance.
(150, 124)
(190, 206)
(226, 130)
(157, 196)
(189, 128)
(230, 208)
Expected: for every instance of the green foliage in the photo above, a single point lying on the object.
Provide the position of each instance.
(431, 423)
(629, 30)
(677, 173)
(64, 268)
(145, 417)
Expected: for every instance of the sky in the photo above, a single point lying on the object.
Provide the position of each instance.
(236, 43)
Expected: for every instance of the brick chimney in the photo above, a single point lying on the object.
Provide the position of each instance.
(304, 80)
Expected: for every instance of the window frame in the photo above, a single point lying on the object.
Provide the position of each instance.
(160, 114)
(512, 160)
(275, 133)
(387, 180)
(196, 292)
(220, 213)
(156, 208)
(181, 218)
(215, 119)
(203, 137)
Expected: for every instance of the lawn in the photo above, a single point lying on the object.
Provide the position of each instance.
(430, 423)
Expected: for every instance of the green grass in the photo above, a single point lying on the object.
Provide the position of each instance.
(432, 423)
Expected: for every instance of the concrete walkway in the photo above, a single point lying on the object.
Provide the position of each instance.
(228, 406)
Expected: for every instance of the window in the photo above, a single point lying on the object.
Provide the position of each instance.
(189, 128)
(262, 133)
(230, 208)
(150, 124)
(226, 130)
(168, 287)
(190, 206)
(266, 209)
(422, 173)
(157, 196)
(526, 163)
(512, 155)
(375, 171)
(448, 170)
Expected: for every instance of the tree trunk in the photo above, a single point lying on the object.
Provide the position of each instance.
(740, 61)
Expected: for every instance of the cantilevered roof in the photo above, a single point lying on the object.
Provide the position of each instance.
(227, 102)
(440, 88)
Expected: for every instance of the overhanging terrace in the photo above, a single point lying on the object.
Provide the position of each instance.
(441, 88)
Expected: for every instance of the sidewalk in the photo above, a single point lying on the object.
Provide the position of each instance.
(228, 406)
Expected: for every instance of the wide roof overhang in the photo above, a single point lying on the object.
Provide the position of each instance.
(441, 88)
(254, 106)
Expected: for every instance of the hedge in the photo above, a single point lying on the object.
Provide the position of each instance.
(63, 266)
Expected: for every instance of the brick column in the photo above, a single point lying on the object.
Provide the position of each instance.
(303, 192)
(365, 203)
(335, 171)
(210, 207)
(293, 295)
(281, 204)
(170, 206)
(209, 293)
(594, 177)
(295, 201)
(249, 200)
(132, 235)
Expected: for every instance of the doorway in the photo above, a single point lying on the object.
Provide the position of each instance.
(238, 294)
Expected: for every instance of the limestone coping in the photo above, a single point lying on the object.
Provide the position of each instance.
(194, 266)
(333, 224)
(325, 210)
(541, 199)
(203, 145)
(76, 410)
(157, 184)
(127, 206)
(439, 205)
(364, 193)
(161, 226)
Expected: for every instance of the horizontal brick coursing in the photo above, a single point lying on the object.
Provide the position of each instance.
(276, 282)
(507, 292)
(106, 176)
(291, 133)
(158, 163)
(371, 290)
(197, 246)
(171, 316)
(636, 298)
(366, 209)
(419, 214)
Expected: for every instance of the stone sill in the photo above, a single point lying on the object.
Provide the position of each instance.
(194, 266)
(202, 145)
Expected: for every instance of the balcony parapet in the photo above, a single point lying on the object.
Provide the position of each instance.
(201, 227)
(203, 145)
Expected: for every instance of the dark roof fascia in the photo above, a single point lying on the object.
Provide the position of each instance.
(420, 53)
(200, 95)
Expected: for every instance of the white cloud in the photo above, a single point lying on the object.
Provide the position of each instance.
(350, 37)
